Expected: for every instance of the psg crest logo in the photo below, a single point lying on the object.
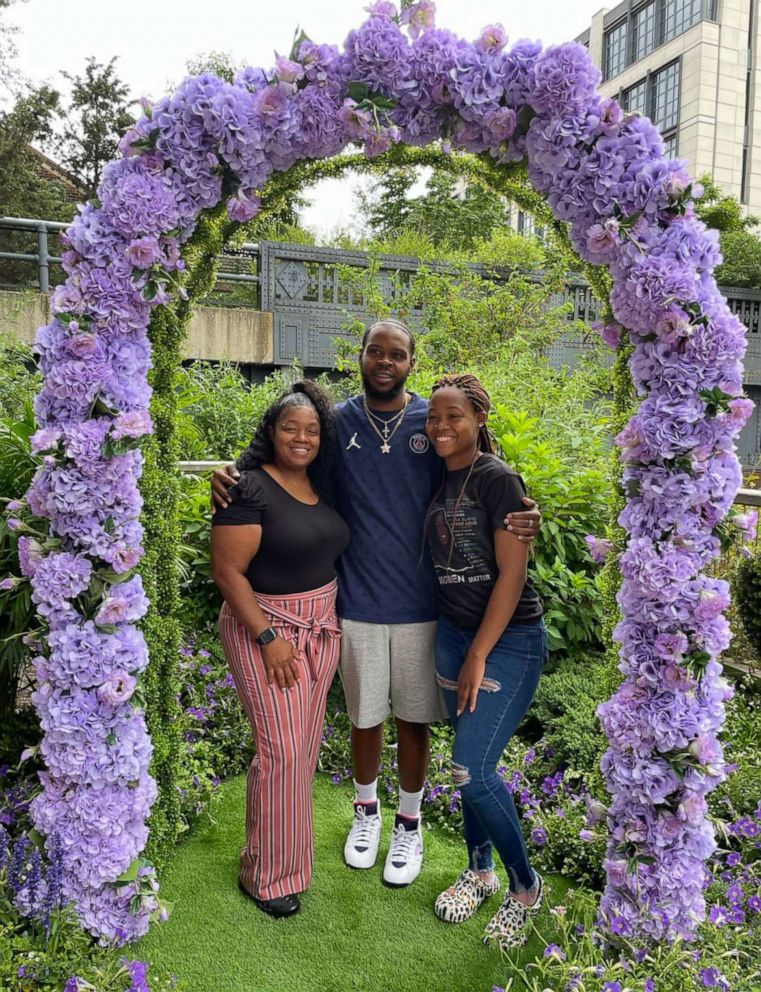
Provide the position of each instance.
(419, 443)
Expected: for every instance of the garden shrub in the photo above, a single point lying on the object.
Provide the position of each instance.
(18, 384)
(572, 498)
(200, 600)
(217, 741)
(564, 711)
(740, 794)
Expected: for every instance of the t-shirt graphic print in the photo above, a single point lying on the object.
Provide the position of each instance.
(460, 530)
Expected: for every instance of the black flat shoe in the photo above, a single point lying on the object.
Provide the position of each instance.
(282, 906)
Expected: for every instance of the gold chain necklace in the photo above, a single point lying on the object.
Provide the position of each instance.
(386, 434)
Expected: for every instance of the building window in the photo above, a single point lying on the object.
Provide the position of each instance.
(615, 50)
(643, 31)
(635, 99)
(528, 227)
(650, 24)
(679, 15)
(657, 97)
(666, 97)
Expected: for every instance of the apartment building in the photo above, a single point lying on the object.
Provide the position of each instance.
(689, 65)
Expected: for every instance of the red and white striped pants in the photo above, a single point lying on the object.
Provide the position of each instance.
(279, 853)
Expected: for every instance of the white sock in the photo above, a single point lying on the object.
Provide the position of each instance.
(366, 793)
(409, 803)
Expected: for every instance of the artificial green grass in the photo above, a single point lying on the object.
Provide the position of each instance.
(352, 933)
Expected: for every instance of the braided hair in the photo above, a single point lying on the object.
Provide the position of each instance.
(479, 400)
(261, 450)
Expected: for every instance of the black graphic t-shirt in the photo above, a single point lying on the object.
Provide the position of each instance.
(466, 566)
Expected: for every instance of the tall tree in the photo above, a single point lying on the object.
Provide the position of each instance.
(740, 244)
(451, 212)
(23, 191)
(97, 115)
(385, 207)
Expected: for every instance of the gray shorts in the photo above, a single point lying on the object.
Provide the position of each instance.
(390, 668)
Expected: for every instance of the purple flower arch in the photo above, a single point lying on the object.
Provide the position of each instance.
(398, 79)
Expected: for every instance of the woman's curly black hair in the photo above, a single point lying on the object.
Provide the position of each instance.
(261, 450)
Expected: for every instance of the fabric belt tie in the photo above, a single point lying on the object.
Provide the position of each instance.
(324, 625)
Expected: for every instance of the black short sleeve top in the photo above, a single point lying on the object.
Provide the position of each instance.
(462, 548)
(300, 542)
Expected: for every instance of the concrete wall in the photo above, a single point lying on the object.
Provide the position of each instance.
(243, 336)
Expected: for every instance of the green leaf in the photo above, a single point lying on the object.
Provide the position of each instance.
(358, 91)
(36, 838)
(131, 873)
(300, 37)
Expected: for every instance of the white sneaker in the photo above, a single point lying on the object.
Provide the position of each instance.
(405, 856)
(361, 847)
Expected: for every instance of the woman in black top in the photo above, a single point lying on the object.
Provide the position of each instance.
(273, 554)
(490, 648)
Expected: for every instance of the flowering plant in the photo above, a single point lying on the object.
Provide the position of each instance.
(628, 207)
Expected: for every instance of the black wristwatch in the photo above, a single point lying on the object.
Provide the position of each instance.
(267, 636)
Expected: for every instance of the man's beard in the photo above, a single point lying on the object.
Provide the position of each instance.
(387, 394)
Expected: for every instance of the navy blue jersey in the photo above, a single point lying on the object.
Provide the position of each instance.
(384, 498)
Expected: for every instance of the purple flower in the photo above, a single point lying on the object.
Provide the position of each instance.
(539, 836)
(288, 71)
(553, 951)
(118, 688)
(718, 916)
(610, 333)
(144, 252)
(712, 978)
(599, 548)
(419, 17)
(565, 80)
(243, 208)
(133, 424)
(492, 39)
(602, 239)
(358, 122)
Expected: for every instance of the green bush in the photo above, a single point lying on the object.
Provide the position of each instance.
(217, 739)
(573, 499)
(740, 794)
(200, 600)
(564, 711)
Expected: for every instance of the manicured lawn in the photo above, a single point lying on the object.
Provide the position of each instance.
(353, 933)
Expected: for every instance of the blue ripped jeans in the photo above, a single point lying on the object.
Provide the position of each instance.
(512, 674)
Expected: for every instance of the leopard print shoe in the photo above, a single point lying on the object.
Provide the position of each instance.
(507, 928)
(460, 901)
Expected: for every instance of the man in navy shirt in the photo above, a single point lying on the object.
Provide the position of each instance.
(387, 474)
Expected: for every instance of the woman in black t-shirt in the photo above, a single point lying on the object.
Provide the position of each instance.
(273, 554)
(490, 648)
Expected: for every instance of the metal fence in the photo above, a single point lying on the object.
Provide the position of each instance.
(313, 295)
